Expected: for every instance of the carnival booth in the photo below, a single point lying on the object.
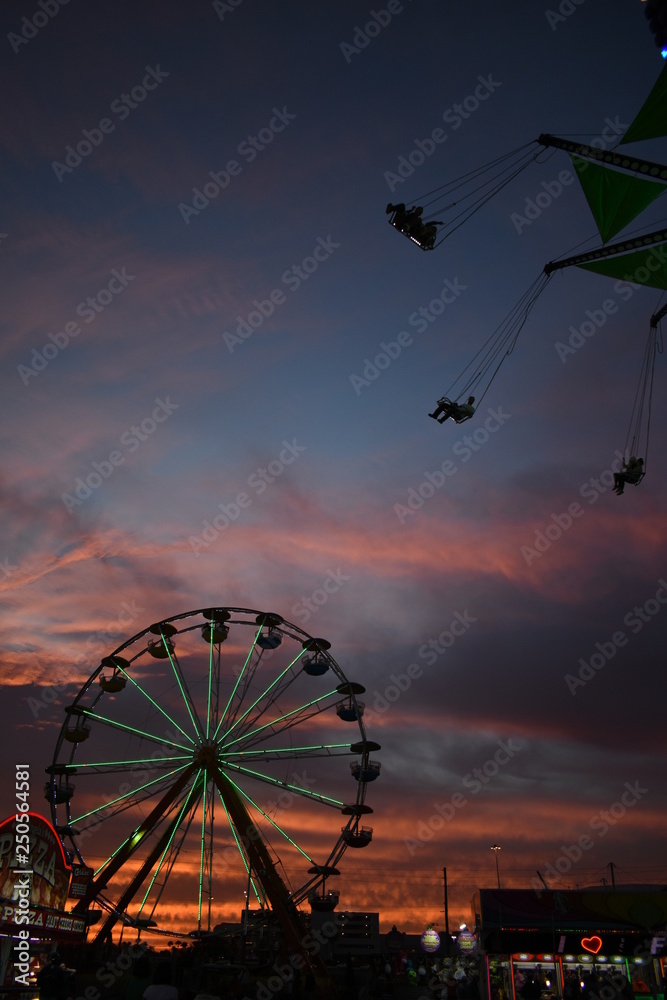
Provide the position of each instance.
(35, 882)
(542, 944)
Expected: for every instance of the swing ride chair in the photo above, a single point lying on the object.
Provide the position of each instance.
(429, 244)
(618, 187)
(637, 439)
(457, 418)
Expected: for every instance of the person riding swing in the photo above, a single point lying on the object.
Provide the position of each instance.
(457, 411)
(410, 223)
(632, 472)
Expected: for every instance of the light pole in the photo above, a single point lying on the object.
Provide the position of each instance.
(495, 848)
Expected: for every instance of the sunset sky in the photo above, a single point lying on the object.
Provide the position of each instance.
(201, 349)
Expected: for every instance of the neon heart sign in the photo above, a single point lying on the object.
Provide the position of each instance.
(592, 944)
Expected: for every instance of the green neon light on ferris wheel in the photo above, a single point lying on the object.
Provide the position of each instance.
(289, 750)
(170, 841)
(281, 718)
(246, 862)
(325, 799)
(269, 820)
(201, 856)
(134, 838)
(127, 795)
(210, 685)
(177, 674)
(120, 763)
(112, 856)
(130, 729)
(264, 694)
(146, 695)
(238, 681)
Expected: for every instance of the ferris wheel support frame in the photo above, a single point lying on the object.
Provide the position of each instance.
(97, 885)
(290, 920)
(160, 846)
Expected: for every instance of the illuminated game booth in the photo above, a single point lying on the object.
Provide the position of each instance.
(32, 900)
(566, 942)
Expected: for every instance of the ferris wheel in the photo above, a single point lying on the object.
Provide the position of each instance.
(201, 761)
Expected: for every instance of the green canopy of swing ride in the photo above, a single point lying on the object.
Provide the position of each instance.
(642, 267)
(651, 121)
(617, 191)
(614, 197)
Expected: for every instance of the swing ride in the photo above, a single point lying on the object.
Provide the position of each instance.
(617, 187)
(205, 757)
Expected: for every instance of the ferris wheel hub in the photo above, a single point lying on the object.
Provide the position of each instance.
(208, 755)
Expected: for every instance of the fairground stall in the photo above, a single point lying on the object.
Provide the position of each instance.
(34, 887)
(544, 944)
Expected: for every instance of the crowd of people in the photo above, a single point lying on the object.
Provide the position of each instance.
(140, 973)
(446, 979)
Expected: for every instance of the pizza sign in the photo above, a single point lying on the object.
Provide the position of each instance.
(45, 879)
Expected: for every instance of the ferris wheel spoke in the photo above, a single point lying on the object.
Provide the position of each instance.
(98, 767)
(209, 694)
(239, 845)
(210, 793)
(289, 718)
(154, 703)
(160, 814)
(95, 717)
(202, 857)
(190, 802)
(206, 855)
(185, 694)
(146, 865)
(315, 750)
(275, 826)
(278, 691)
(128, 797)
(298, 789)
(171, 861)
(246, 674)
(261, 897)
